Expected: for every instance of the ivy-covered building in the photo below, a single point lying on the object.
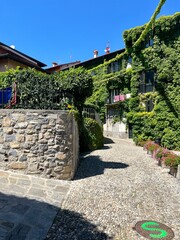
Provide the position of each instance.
(141, 98)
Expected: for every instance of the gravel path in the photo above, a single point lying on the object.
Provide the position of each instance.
(116, 187)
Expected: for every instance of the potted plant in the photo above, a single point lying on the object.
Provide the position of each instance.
(149, 147)
(172, 160)
(153, 149)
(160, 155)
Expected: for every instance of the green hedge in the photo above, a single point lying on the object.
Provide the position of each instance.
(91, 136)
(37, 90)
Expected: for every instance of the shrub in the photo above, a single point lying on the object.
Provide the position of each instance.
(172, 160)
(159, 153)
(91, 136)
(37, 90)
(151, 146)
(171, 139)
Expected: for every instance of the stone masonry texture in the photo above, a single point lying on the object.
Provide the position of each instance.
(39, 142)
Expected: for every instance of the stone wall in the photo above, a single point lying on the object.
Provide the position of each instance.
(39, 142)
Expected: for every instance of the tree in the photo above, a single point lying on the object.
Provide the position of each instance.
(77, 82)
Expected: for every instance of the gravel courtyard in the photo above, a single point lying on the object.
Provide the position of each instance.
(116, 187)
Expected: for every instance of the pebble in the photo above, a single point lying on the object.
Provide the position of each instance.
(114, 188)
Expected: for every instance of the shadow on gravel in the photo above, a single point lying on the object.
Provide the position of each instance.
(22, 218)
(105, 147)
(26, 219)
(93, 165)
(108, 140)
(73, 226)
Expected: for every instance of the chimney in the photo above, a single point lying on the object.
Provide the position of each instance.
(107, 50)
(95, 53)
(54, 64)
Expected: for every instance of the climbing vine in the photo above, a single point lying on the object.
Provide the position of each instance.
(152, 47)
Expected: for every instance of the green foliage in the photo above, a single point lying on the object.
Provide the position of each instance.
(164, 57)
(143, 125)
(103, 82)
(77, 82)
(91, 136)
(65, 90)
(134, 83)
(165, 27)
(171, 138)
(149, 25)
(99, 95)
(172, 160)
(8, 77)
(37, 90)
(134, 104)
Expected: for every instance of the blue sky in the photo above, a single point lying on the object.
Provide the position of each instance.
(68, 30)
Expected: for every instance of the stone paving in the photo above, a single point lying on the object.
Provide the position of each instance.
(28, 205)
(116, 187)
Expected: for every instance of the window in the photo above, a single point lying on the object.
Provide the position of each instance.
(130, 60)
(112, 93)
(149, 106)
(147, 81)
(114, 67)
(112, 112)
(149, 42)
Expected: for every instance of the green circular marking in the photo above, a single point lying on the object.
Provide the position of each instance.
(154, 230)
(146, 225)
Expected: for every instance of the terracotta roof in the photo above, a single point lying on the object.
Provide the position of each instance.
(60, 67)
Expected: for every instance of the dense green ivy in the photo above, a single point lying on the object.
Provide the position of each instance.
(163, 56)
(149, 26)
